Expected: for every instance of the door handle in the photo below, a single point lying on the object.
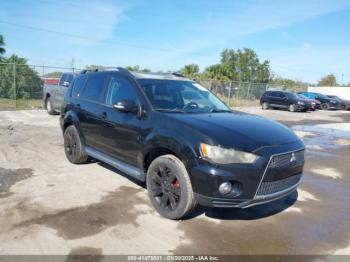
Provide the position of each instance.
(104, 115)
(78, 105)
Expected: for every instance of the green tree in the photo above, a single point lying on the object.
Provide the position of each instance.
(28, 83)
(55, 74)
(137, 68)
(190, 71)
(2, 44)
(240, 65)
(328, 80)
(93, 67)
(291, 84)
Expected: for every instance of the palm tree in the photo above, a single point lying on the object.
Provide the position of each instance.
(2, 43)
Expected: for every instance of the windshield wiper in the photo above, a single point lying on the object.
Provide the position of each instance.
(176, 110)
(215, 110)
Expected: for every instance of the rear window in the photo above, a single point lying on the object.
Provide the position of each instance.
(78, 86)
(94, 87)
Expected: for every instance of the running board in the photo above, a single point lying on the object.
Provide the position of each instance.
(126, 168)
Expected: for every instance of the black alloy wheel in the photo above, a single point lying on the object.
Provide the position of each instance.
(169, 187)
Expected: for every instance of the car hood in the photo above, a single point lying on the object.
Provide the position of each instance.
(237, 130)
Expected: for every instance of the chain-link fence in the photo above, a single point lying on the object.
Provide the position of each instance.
(21, 86)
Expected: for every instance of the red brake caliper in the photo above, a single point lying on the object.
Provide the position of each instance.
(176, 183)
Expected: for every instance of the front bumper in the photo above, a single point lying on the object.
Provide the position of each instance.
(245, 203)
(254, 184)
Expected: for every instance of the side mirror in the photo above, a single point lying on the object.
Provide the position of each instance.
(126, 106)
(65, 83)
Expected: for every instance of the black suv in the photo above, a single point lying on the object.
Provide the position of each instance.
(285, 100)
(180, 139)
(326, 102)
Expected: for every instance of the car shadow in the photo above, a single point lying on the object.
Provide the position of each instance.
(120, 173)
(252, 213)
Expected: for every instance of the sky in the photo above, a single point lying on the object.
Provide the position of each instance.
(302, 39)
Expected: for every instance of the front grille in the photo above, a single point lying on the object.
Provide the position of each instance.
(287, 160)
(271, 187)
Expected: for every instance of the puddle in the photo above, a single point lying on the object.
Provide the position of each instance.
(9, 177)
(85, 254)
(118, 207)
(324, 136)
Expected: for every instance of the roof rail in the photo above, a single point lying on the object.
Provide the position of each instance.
(177, 74)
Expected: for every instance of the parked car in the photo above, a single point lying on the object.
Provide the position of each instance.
(284, 100)
(53, 94)
(187, 152)
(315, 104)
(326, 102)
(345, 104)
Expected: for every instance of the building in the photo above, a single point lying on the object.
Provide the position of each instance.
(341, 91)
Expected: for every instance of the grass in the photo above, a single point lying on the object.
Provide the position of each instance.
(10, 104)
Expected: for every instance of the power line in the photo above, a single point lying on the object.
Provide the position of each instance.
(83, 37)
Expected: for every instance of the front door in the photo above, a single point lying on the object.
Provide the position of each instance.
(121, 131)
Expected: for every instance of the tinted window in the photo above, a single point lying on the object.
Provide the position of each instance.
(186, 96)
(63, 78)
(120, 88)
(273, 94)
(78, 86)
(94, 87)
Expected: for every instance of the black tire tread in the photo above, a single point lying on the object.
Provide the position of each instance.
(191, 201)
(82, 156)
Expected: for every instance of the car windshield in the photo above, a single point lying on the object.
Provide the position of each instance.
(322, 96)
(181, 96)
(302, 96)
(335, 97)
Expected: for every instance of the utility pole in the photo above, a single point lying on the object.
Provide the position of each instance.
(14, 83)
(342, 78)
(72, 63)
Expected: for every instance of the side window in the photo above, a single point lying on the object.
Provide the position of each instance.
(94, 87)
(282, 95)
(62, 79)
(120, 88)
(273, 94)
(78, 86)
(69, 79)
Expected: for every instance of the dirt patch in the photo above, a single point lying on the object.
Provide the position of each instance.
(114, 209)
(85, 254)
(9, 177)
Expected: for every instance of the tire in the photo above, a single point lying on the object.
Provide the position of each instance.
(325, 106)
(292, 108)
(169, 187)
(49, 107)
(73, 147)
(265, 106)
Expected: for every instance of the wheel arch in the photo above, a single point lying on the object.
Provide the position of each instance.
(71, 118)
(163, 144)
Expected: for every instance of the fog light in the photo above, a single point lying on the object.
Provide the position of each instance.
(225, 188)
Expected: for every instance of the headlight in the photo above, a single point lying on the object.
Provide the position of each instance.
(225, 156)
(301, 103)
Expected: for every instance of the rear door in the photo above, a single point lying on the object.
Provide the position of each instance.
(274, 98)
(60, 91)
(90, 109)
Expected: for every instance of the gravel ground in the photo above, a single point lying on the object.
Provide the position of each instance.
(50, 206)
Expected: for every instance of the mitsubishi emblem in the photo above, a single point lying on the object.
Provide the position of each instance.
(293, 158)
